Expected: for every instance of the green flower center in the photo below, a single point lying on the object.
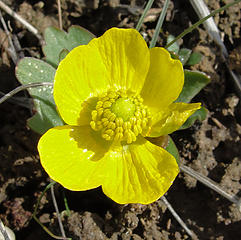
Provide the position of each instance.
(123, 108)
(120, 116)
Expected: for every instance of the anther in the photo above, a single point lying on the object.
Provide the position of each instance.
(94, 114)
(100, 111)
(107, 104)
(120, 117)
(112, 117)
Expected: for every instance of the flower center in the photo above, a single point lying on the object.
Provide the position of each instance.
(120, 116)
(123, 108)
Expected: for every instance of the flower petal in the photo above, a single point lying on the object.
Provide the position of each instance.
(126, 57)
(164, 80)
(72, 85)
(139, 173)
(119, 58)
(172, 119)
(73, 156)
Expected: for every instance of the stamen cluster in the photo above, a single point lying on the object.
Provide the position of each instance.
(113, 127)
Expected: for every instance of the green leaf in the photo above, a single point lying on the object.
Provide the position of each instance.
(194, 82)
(195, 58)
(199, 115)
(172, 149)
(57, 40)
(32, 70)
(42, 123)
(63, 54)
(174, 47)
(184, 55)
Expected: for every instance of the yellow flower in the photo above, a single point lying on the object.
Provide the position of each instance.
(112, 93)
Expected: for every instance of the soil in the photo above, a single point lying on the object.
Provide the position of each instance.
(211, 147)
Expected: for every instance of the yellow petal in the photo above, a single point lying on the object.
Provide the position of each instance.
(119, 58)
(164, 80)
(139, 173)
(126, 57)
(172, 119)
(73, 156)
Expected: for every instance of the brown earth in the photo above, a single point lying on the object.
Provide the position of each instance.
(211, 147)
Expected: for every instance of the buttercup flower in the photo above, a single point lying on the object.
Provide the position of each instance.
(112, 93)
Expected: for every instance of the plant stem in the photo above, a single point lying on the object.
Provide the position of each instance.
(57, 210)
(48, 232)
(66, 204)
(159, 24)
(36, 209)
(202, 11)
(147, 8)
(195, 25)
(23, 87)
(39, 199)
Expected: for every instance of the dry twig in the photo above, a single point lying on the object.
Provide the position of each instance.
(60, 15)
(211, 184)
(11, 50)
(202, 11)
(177, 217)
(23, 87)
(31, 28)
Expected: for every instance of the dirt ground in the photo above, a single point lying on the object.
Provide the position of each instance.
(211, 147)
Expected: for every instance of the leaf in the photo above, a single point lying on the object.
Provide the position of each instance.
(174, 47)
(194, 82)
(195, 58)
(42, 123)
(172, 149)
(57, 40)
(199, 115)
(184, 55)
(32, 70)
(63, 54)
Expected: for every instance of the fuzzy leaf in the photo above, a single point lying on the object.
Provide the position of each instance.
(57, 40)
(32, 70)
